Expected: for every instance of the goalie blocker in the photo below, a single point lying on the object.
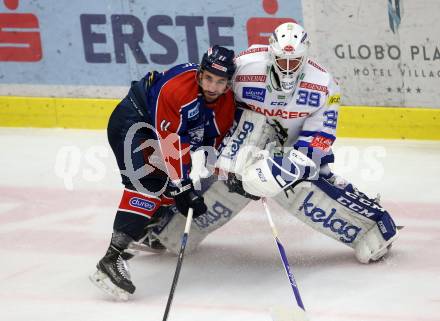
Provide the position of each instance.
(330, 205)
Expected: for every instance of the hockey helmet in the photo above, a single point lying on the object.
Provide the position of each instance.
(220, 61)
(288, 47)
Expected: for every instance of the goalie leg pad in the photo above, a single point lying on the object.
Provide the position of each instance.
(222, 207)
(373, 245)
(343, 214)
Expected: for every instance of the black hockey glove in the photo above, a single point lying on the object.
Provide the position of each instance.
(185, 197)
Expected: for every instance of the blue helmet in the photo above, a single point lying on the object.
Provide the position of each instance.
(220, 61)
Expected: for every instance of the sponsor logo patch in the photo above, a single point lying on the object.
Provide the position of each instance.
(253, 50)
(141, 203)
(281, 113)
(314, 64)
(321, 142)
(312, 86)
(254, 93)
(250, 78)
(236, 143)
(278, 103)
(360, 205)
(334, 99)
(346, 232)
(218, 67)
(215, 213)
(193, 112)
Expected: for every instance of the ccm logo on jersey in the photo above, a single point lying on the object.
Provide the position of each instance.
(214, 214)
(254, 93)
(141, 203)
(278, 103)
(347, 233)
(278, 112)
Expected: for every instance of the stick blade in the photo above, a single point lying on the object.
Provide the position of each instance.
(283, 313)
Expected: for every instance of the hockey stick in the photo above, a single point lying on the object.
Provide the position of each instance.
(179, 263)
(282, 314)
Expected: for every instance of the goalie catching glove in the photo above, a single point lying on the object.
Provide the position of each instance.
(276, 170)
(249, 152)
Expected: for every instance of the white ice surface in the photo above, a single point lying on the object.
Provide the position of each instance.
(53, 231)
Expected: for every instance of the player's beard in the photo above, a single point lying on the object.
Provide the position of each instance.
(211, 97)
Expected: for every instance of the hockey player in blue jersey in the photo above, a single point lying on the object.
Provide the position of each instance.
(152, 131)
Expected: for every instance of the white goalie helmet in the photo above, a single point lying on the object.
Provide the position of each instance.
(288, 46)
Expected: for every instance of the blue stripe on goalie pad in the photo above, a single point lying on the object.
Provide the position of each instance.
(359, 203)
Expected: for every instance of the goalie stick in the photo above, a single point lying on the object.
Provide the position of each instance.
(179, 263)
(297, 313)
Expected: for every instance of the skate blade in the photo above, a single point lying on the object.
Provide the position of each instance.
(102, 281)
(135, 246)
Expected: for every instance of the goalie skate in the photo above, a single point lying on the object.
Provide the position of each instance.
(103, 282)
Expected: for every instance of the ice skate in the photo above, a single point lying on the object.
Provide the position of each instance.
(112, 275)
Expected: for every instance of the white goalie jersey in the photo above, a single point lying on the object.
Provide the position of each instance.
(307, 118)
